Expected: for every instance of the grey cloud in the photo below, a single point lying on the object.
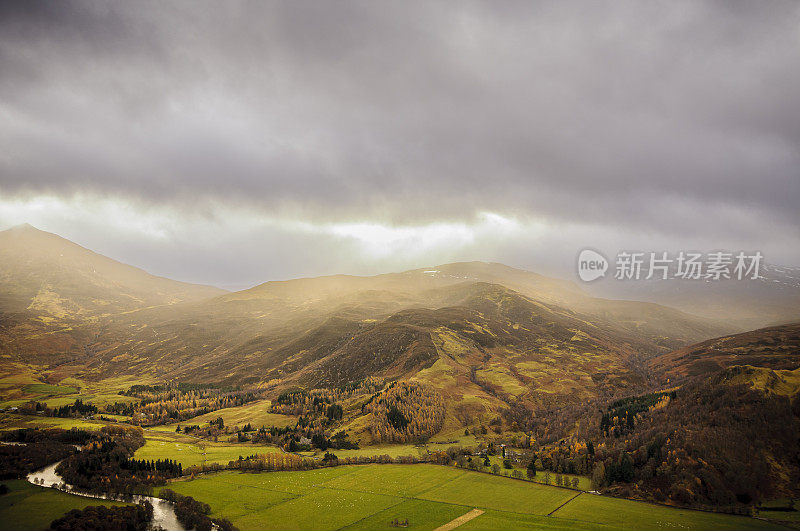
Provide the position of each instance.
(664, 116)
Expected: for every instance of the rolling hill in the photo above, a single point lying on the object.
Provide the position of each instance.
(52, 277)
(776, 347)
(485, 335)
(55, 295)
(728, 429)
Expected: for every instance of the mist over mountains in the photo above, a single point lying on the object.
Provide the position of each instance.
(505, 333)
(772, 299)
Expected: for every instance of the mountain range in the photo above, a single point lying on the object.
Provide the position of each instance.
(486, 335)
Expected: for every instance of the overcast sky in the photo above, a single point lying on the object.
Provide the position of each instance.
(234, 142)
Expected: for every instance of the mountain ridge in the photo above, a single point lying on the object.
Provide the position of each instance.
(773, 347)
(503, 333)
(33, 262)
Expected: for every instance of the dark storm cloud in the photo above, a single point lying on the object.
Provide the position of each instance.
(673, 117)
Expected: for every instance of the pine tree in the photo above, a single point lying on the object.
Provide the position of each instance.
(532, 469)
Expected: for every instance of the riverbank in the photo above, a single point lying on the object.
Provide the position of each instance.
(163, 512)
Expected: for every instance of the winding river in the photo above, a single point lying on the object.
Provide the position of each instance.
(163, 512)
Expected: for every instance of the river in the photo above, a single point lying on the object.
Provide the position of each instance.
(163, 511)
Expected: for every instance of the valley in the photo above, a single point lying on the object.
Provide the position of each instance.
(360, 401)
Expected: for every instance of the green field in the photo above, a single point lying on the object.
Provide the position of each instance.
(627, 513)
(46, 390)
(256, 413)
(188, 451)
(9, 421)
(493, 492)
(20, 384)
(27, 506)
(52, 395)
(371, 496)
(791, 518)
(392, 450)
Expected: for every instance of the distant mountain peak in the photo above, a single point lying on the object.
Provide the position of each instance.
(26, 229)
(43, 270)
(23, 228)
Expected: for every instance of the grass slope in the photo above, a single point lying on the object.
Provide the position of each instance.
(29, 507)
(190, 452)
(10, 421)
(774, 347)
(256, 413)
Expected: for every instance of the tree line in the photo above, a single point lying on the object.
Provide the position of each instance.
(171, 402)
(36, 448)
(106, 464)
(127, 517)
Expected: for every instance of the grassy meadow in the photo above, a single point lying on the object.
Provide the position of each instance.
(372, 496)
(10, 421)
(617, 512)
(255, 413)
(189, 451)
(21, 383)
(28, 507)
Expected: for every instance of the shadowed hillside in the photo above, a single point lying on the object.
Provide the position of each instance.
(776, 347)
